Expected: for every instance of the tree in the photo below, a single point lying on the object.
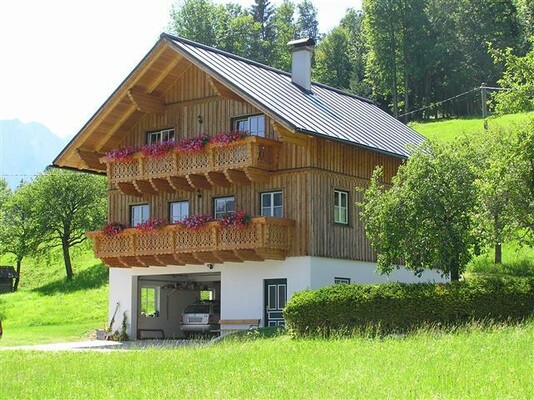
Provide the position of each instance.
(518, 76)
(262, 12)
(285, 31)
(20, 233)
(425, 220)
(332, 59)
(67, 205)
(307, 24)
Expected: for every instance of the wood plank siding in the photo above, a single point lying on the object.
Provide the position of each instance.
(307, 173)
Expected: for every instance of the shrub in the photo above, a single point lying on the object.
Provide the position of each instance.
(387, 308)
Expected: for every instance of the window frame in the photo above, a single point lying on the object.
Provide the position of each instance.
(215, 199)
(132, 206)
(337, 196)
(272, 207)
(160, 131)
(235, 121)
(155, 301)
(171, 220)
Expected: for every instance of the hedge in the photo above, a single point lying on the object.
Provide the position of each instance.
(399, 307)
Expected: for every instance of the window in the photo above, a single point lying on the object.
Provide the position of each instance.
(341, 211)
(223, 206)
(338, 280)
(150, 301)
(160, 136)
(139, 213)
(178, 211)
(254, 124)
(271, 204)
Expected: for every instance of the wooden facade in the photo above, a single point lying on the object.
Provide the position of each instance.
(308, 169)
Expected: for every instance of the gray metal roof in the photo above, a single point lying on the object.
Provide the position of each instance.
(325, 112)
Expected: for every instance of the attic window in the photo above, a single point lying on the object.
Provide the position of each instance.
(160, 136)
(252, 124)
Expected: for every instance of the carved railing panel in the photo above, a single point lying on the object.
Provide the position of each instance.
(263, 234)
(251, 152)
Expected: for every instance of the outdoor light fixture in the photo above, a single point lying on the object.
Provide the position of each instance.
(210, 266)
(199, 195)
(200, 119)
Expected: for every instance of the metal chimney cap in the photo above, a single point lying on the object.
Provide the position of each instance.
(302, 42)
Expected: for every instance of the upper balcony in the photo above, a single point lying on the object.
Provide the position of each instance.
(241, 162)
(263, 238)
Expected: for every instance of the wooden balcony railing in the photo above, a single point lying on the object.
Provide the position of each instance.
(241, 162)
(264, 238)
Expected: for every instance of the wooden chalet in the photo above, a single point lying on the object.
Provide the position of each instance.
(307, 147)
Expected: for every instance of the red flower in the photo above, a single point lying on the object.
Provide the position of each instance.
(113, 229)
(239, 219)
(157, 150)
(224, 139)
(151, 225)
(121, 155)
(195, 222)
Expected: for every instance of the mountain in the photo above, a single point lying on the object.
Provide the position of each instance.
(26, 150)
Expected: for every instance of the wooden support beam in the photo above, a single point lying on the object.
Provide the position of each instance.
(223, 91)
(227, 255)
(129, 189)
(272, 254)
(198, 181)
(169, 259)
(144, 186)
(188, 258)
(161, 185)
(236, 176)
(131, 261)
(106, 136)
(248, 255)
(207, 257)
(180, 183)
(146, 102)
(114, 262)
(257, 175)
(92, 159)
(218, 179)
(288, 136)
(151, 260)
(156, 82)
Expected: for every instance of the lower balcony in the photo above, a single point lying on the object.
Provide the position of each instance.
(262, 239)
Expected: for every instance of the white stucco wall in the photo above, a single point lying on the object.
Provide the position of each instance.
(242, 284)
(324, 270)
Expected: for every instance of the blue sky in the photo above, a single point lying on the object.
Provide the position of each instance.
(62, 59)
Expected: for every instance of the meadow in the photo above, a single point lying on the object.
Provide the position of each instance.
(470, 363)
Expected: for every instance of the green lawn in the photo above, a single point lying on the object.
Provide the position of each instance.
(491, 363)
(48, 309)
(449, 129)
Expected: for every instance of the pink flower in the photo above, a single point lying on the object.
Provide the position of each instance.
(113, 229)
(121, 155)
(151, 225)
(224, 139)
(195, 222)
(193, 145)
(157, 150)
(239, 219)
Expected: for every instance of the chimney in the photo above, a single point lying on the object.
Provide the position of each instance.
(301, 50)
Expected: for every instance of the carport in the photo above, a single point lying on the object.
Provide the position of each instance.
(161, 300)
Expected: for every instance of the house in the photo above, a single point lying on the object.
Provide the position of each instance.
(7, 274)
(308, 147)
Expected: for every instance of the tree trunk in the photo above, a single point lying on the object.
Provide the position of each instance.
(498, 253)
(66, 259)
(455, 274)
(17, 279)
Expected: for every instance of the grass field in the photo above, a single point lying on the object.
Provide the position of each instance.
(449, 129)
(490, 363)
(49, 309)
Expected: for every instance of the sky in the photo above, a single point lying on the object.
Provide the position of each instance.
(60, 60)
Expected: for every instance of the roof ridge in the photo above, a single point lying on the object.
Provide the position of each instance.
(165, 35)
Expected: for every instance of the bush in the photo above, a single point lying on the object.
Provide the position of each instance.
(388, 308)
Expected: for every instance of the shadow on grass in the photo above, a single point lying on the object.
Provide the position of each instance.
(90, 278)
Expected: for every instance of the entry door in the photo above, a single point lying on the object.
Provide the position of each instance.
(275, 300)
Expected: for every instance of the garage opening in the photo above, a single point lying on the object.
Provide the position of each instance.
(161, 300)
